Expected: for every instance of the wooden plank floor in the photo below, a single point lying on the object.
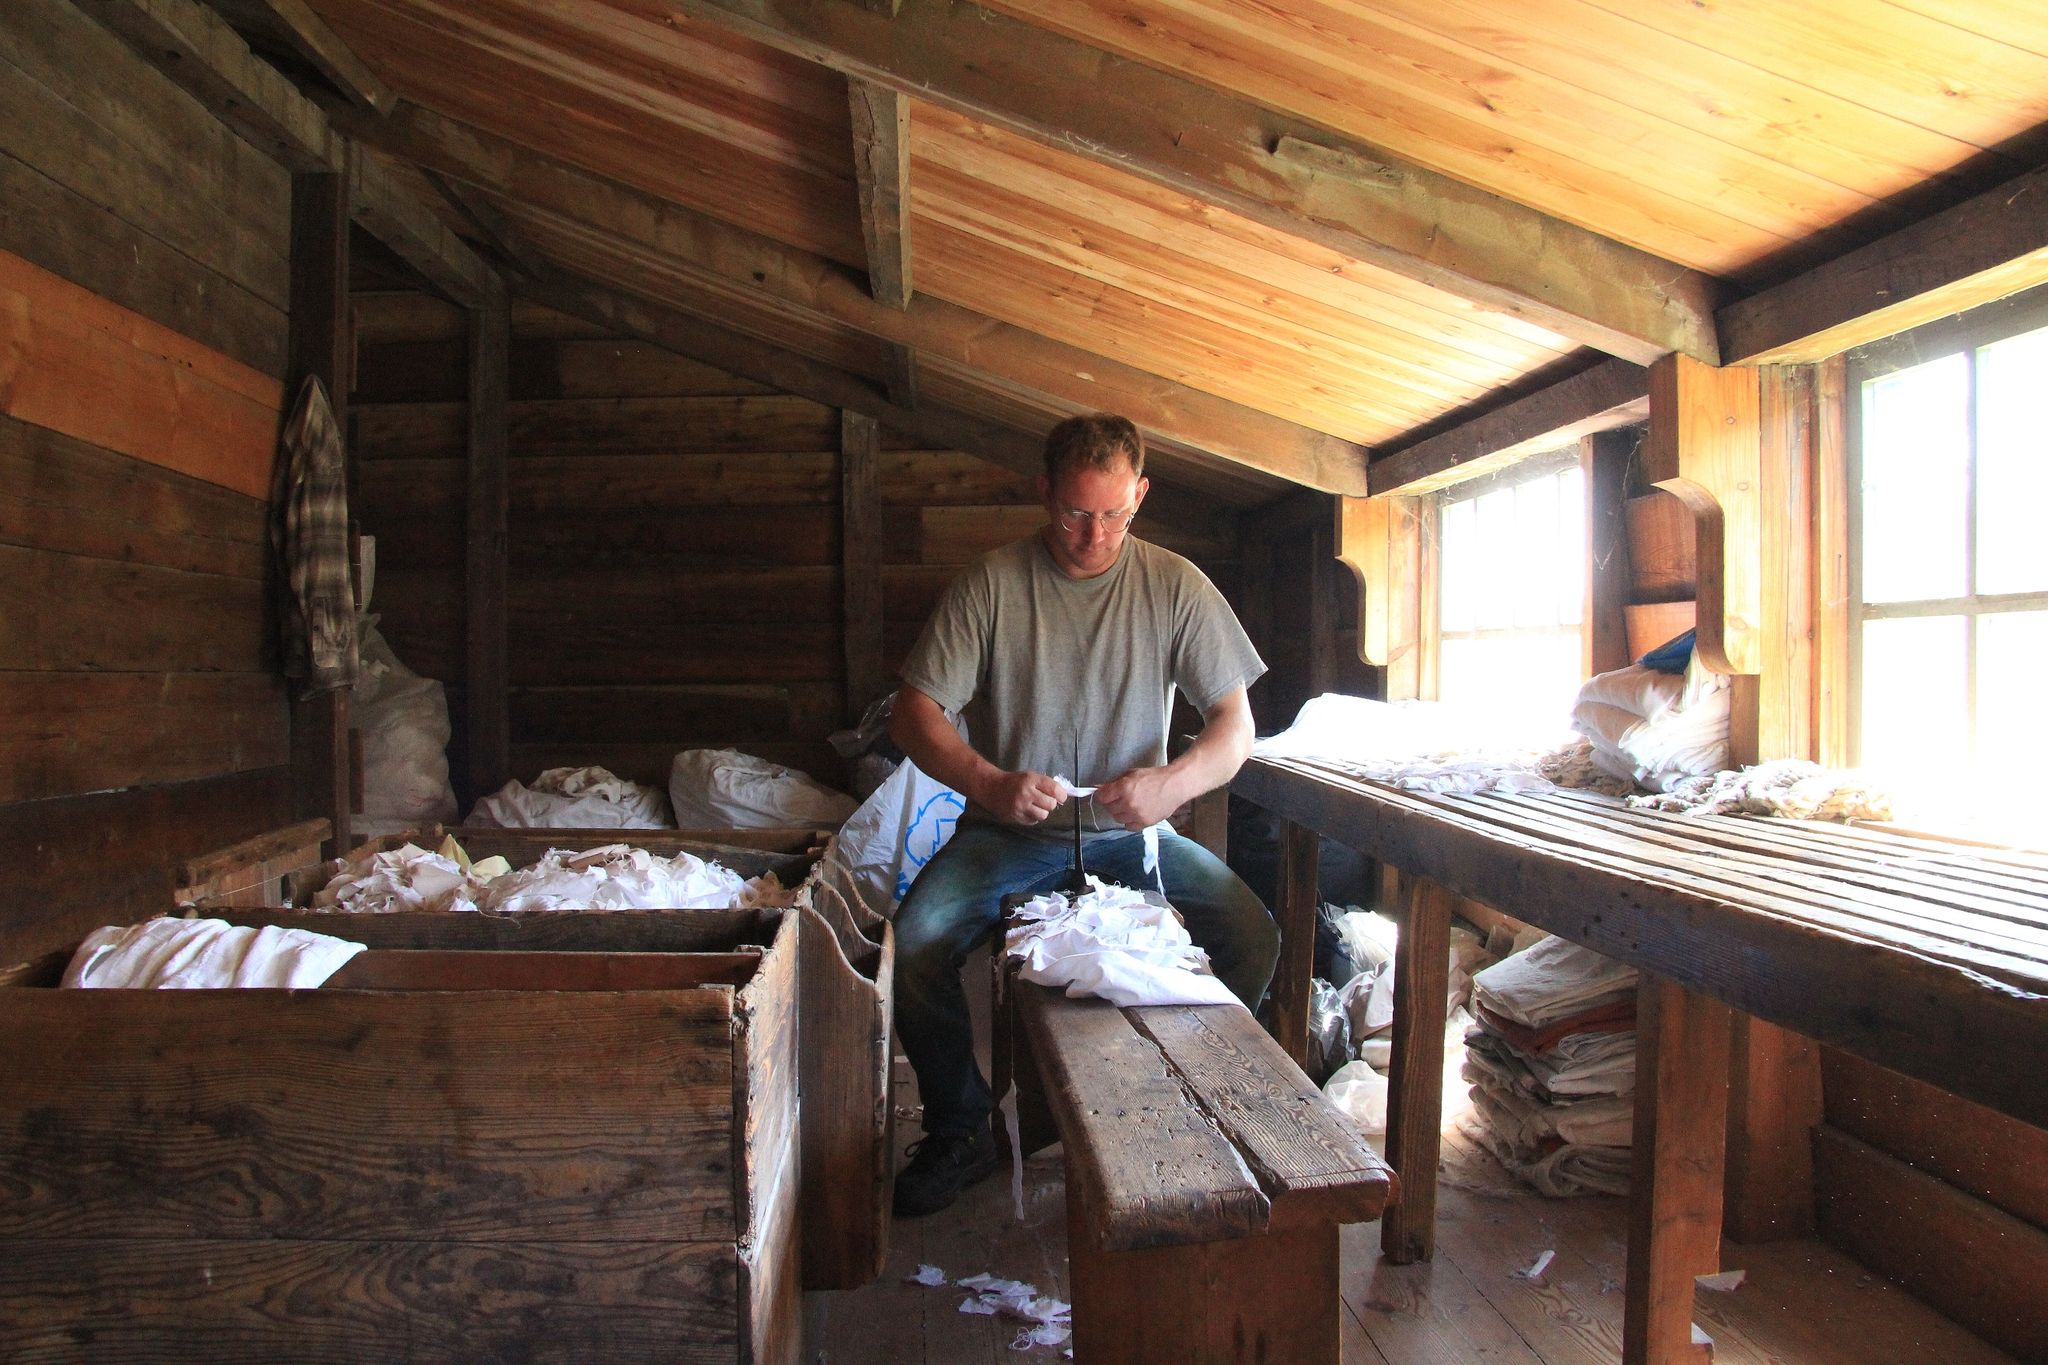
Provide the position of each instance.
(1802, 1304)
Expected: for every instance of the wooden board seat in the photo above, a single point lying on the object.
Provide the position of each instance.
(1198, 1155)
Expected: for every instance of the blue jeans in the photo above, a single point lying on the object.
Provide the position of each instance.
(956, 903)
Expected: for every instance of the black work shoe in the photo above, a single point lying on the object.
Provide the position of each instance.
(941, 1166)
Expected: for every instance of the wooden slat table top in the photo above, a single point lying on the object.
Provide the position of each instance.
(1925, 955)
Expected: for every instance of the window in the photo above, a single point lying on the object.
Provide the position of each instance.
(1948, 558)
(1511, 593)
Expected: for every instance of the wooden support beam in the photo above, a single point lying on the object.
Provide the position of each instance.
(293, 24)
(1976, 252)
(860, 561)
(1703, 444)
(1380, 541)
(1604, 460)
(319, 346)
(881, 164)
(1415, 1087)
(195, 47)
(553, 196)
(766, 363)
(1613, 393)
(400, 221)
(1674, 1230)
(900, 374)
(1222, 150)
(486, 689)
(1296, 898)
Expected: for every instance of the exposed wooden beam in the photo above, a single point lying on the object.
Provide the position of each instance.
(196, 49)
(901, 377)
(881, 164)
(1221, 149)
(487, 679)
(689, 242)
(860, 562)
(293, 24)
(1976, 252)
(400, 221)
(1610, 394)
(765, 363)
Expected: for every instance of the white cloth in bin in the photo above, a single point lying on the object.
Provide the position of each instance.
(1552, 980)
(205, 954)
(723, 788)
(620, 877)
(404, 878)
(1114, 944)
(574, 798)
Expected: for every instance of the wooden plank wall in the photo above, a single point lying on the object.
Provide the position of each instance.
(674, 570)
(143, 260)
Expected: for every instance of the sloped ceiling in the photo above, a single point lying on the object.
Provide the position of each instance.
(1267, 318)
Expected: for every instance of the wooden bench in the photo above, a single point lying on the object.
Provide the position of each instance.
(1206, 1178)
(1926, 956)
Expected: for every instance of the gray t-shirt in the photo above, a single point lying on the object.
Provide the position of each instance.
(1036, 661)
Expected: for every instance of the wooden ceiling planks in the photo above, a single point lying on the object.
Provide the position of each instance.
(1712, 134)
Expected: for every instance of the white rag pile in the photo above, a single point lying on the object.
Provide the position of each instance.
(404, 878)
(205, 954)
(1788, 787)
(1552, 980)
(1417, 745)
(575, 798)
(1112, 943)
(620, 877)
(1656, 729)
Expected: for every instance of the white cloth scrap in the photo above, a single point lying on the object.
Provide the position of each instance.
(404, 878)
(1552, 980)
(1112, 943)
(575, 798)
(613, 877)
(1537, 1266)
(1070, 792)
(205, 954)
(929, 1276)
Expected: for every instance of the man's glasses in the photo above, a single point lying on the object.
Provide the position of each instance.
(1111, 522)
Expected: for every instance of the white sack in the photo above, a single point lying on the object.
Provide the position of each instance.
(880, 849)
(574, 798)
(1656, 729)
(204, 954)
(1361, 1093)
(723, 788)
(403, 719)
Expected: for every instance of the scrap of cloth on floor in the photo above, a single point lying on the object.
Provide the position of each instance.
(1112, 943)
(309, 539)
(205, 954)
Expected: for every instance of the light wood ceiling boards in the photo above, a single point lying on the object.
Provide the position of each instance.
(1113, 264)
(1717, 134)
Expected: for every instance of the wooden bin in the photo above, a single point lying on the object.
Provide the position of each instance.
(442, 1155)
(848, 1123)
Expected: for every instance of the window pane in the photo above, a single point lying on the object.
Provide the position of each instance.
(1915, 728)
(1535, 554)
(2012, 662)
(2012, 465)
(1528, 682)
(1494, 555)
(1915, 449)
(1457, 570)
(1571, 547)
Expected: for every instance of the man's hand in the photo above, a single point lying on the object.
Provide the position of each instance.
(1141, 797)
(1020, 798)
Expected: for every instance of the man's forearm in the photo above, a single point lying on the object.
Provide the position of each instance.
(920, 728)
(1215, 755)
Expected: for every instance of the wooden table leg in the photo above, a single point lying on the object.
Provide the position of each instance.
(1296, 911)
(1674, 1230)
(1415, 1093)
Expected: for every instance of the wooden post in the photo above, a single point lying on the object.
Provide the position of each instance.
(1604, 458)
(1703, 445)
(319, 346)
(1674, 1233)
(860, 561)
(1296, 910)
(1415, 1093)
(487, 679)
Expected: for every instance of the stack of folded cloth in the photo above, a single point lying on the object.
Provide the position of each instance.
(1552, 1062)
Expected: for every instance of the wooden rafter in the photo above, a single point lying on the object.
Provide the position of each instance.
(1221, 149)
(881, 164)
(196, 49)
(293, 24)
(691, 243)
(1984, 249)
(1610, 394)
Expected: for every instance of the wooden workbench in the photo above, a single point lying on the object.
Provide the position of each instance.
(1927, 956)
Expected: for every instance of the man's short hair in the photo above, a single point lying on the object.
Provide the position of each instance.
(1099, 440)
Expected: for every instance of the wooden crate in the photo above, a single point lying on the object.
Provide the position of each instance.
(443, 1155)
(848, 1123)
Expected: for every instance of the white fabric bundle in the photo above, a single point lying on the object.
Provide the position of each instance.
(1552, 980)
(1653, 728)
(403, 878)
(1578, 1064)
(1113, 943)
(619, 877)
(1417, 746)
(575, 798)
(1567, 1170)
(204, 954)
(1596, 1121)
(724, 788)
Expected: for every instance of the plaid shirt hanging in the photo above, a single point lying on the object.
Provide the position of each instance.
(309, 539)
